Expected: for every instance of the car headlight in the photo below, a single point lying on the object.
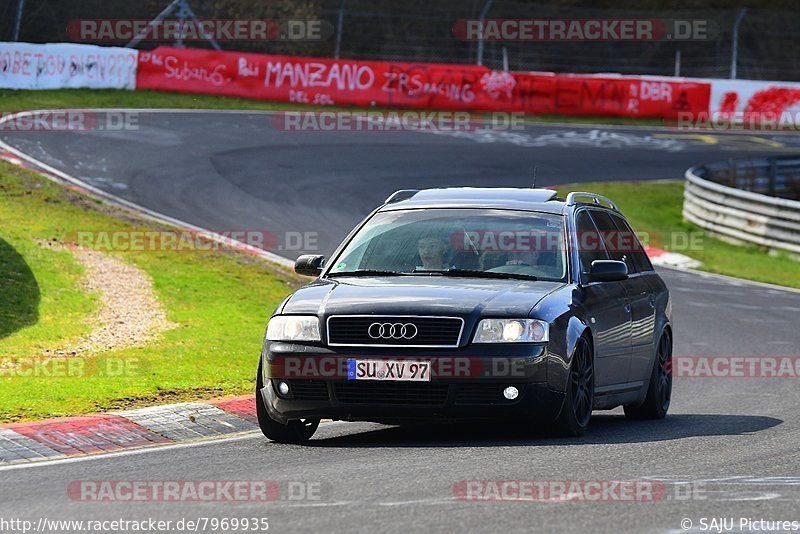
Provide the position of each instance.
(512, 331)
(293, 328)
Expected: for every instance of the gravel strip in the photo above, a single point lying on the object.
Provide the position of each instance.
(130, 314)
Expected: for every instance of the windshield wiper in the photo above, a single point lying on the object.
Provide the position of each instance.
(366, 272)
(476, 274)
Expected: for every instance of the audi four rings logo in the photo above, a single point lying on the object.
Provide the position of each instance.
(392, 331)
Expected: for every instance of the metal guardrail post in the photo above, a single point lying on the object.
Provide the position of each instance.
(181, 7)
(732, 172)
(773, 174)
(339, 27)
(735, 45)
(482, 18)
(18, 20)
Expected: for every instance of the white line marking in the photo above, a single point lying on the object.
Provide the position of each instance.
(280, 504)
(761, 497)
(448, 500)
(731, 280)
(150, 448)
(141, 450)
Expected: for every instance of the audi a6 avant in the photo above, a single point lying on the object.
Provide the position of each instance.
(472, 303)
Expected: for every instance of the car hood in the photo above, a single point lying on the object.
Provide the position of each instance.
(419, 295)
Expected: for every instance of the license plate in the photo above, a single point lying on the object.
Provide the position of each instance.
(391, 370)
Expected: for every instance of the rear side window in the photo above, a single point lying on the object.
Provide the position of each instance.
(616, 242)
(590, 244)
(632, 243)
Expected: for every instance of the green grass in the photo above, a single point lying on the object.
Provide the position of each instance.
(12, 100)
(655, 208)
(220, 300)
(114, 98)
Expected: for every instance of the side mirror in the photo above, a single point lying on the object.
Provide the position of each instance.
(608, 271)
(309, 264)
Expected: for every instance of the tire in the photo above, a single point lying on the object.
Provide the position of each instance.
(659, 390)
(297, 431)
(577, 410)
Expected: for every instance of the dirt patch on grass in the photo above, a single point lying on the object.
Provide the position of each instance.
(130, 313)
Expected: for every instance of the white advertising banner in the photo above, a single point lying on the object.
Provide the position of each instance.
(66, 66)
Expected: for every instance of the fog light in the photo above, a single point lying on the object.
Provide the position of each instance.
(283, 388)
(511, 393)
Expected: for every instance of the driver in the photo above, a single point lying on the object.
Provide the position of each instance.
(432, 252)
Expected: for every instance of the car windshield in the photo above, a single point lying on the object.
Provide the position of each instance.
(457, 242)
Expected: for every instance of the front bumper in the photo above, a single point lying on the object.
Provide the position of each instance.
(464, 385)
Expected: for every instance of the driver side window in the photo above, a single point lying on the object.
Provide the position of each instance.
(615, 240)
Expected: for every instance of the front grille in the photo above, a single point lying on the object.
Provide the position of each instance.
(430, 331)
(408, 393)
(308, 389)
(481, 394)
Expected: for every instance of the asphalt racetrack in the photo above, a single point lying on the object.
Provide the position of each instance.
(243, 171)
(730, 448)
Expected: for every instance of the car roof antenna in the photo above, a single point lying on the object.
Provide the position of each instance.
(533, 186)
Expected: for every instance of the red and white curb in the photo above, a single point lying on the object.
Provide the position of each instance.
(115, 431)
(665, 258)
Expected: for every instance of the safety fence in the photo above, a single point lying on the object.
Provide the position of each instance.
(759, 42)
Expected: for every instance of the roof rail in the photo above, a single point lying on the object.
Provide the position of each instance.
(552, 192)
(402, 194)
(580, 197)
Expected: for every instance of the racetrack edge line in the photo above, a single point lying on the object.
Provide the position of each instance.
(52, 173)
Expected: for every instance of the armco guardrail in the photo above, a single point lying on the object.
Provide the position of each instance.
(742, 213)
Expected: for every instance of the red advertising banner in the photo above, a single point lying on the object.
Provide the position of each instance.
(622, 96)
(413, 85)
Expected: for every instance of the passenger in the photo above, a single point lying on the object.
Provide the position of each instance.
(523, 257)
